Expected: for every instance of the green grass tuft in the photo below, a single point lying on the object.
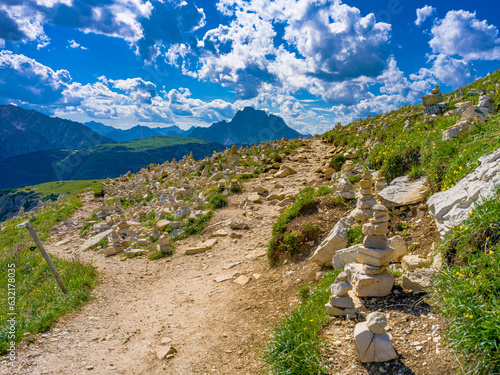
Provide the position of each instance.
(354, 235)
(39, 301)
(295, 346)
(468, 290)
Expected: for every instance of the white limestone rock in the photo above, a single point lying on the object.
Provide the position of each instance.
(372, 347)
(336, 240)
(450, 207)
(403, 192)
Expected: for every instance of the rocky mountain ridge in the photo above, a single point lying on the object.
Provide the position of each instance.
(23, 131)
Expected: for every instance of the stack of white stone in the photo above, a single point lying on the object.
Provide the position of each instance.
(366, 199)
(341, 304)
(380, 184)
(368, 276)
(433, 102)
(373, 343)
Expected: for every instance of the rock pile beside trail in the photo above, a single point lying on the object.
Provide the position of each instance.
(173, 195)
(373, 343)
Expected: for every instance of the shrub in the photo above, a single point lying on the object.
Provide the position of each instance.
(98, 192)
(311, 231)
(337, 162)
(217, 200)
(235, 189)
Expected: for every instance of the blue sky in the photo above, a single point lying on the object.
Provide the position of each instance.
(313, 62)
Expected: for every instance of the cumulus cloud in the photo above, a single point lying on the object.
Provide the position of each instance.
(318, 46)
(424, 13)
(73, 44)
(146, 25)
(24, 79)
(460, 33)
(444, 69)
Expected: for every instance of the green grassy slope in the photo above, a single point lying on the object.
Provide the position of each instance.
(421, 151)
(98, 162)
(38, 301)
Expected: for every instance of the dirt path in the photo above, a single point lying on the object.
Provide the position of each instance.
(216, 327)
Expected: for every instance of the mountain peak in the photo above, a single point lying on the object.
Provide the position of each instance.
(248, 125)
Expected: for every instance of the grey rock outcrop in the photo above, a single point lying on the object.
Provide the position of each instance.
(450, 207)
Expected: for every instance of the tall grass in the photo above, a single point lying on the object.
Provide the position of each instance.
(468, 289)
(38, 299)
(295, 346)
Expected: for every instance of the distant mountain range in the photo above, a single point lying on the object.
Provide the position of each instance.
(248, 126)
(100, 161)
(35, 148)
(137, 132)
(23, 131)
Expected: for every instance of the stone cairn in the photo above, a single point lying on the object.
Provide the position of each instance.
(234, 184)
(344, 187)
(369, 276)
(234, 157)
(115, 244)
(366, 199)
(341, 304)
(164, 244)
(433, 103)
(380, 184)
(373, 343)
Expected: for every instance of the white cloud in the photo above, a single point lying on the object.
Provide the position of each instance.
(73, 44)
(460, 33)
(24, 79)
(424, 13)
(145, 24)
(327, 48)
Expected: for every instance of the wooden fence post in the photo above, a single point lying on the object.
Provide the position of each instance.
(38, 243)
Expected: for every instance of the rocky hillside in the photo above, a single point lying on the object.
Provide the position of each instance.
(23, 131)
(248, 126)
(382, 242)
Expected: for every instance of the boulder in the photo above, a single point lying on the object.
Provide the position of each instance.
(376, 322)
(259, 190)
(367, 285)
(162, 224)
(399, 245)
(412, 262)
(373, 347)
(345, 256)
(402, 192)
(255, 198)
(337, 311)
(419, 280)
(201, 247)
(464, 104)
(341, 288)
(450, 207)
(473, 114)
(336, 240)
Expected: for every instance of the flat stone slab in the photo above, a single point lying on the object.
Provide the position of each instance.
(201, 247)
(242, 280)
(222, 278)
(403, 192)
(450, 207)
(94, 240)
(418, 281)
